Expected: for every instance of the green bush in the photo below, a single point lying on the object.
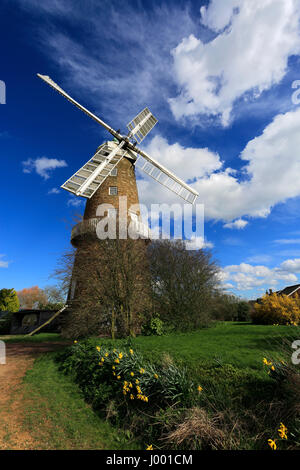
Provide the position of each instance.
(154, 327)
(9, 301)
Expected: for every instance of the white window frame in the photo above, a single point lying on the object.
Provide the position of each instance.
(114, 172)
(113, 193)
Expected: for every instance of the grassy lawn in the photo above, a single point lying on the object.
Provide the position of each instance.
(32, 339)
(57, 416)
(240, 344)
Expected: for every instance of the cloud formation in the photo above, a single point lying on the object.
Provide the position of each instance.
(248, 55)
(42, 166)
(3, 264)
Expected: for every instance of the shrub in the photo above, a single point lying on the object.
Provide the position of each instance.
(154, 327)
(276, 309)
(9, 301)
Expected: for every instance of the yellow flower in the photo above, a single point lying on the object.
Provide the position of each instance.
(114, 350)
(130, 385)
(75, 342)
(131, 397)
(142, 370)
(120, 355)
(137, 381)
(102, 359)
(124, 392)
(118, 377)
(106, 354)
(155, 376)
(131, 351)
(272, 368)
(125, 383)
(199, 388)
(117, 361)
(149, 447)
(114, 373)
(282, 431)
(132, 374)
(265, 361)
(272, 444)
(98, 348)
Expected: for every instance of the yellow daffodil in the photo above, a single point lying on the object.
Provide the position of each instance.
(155, 376)
(272, 444)
(75, 342)
(142, 370)
(272, 368)
(117, 361)
(118, 377)
(131, 397)
(132, 374)
(199, 388)
(98, 348)
(120, 356)
(102, 359)
(137, 381)
(113, 367)
(131, 351)
(106, 354)
(149, 447)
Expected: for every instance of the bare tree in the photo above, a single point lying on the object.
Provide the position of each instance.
(112, 287)
(183, 283)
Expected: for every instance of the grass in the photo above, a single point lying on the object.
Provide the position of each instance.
(241, 344)
(41, 337)
(57, 416)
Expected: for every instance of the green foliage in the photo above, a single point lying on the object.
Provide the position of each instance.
(227, 307)
(9, 301)
(56, 306)
(154, 327)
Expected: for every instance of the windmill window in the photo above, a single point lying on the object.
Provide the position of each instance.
(113, 190)
(114, 172)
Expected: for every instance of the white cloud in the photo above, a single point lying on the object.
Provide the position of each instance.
(247, 57)
(238, 224)
(54, 191)
(197, 243)
(42, 166)
(291, 265)
(271, 173)
(3, 264)
(75, 201)
(247, 277)
(288, 241)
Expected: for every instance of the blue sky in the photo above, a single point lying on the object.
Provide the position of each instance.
(218, 76)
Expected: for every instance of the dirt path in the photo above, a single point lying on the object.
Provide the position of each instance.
(19, 358)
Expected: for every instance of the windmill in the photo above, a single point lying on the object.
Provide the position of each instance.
(111, 172)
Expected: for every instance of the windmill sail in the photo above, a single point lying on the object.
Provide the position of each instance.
(56, 87)
(89, 178)
(164, 176)
(141, 125)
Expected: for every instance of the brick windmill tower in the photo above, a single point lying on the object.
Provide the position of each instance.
(109, 176)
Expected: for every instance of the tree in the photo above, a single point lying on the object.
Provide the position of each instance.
(55, 298)
(183, 283)
(31, 297)
(9, 300)
(112, 287)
